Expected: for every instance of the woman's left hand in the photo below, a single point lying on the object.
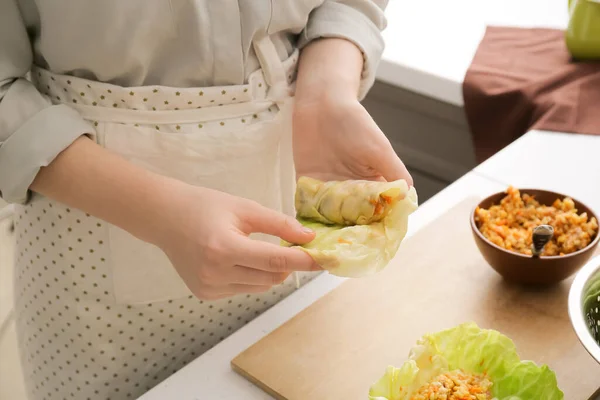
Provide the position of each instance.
(336, 139)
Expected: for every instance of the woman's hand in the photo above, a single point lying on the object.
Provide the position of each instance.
(334, 136)
(204, 232)
(338, 139)
(206, 238)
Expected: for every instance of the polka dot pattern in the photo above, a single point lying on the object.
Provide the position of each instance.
(75, 339)
(74, 90)
(77, 91)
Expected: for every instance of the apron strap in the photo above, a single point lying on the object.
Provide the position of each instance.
(272, 67)
(130, 116)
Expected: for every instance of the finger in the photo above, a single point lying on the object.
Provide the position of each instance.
(391, 167)
(272, 258)
(264, 220)
(249, 276)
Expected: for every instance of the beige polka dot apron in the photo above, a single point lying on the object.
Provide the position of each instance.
(102, 315)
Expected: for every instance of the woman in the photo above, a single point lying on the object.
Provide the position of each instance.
(151, 140)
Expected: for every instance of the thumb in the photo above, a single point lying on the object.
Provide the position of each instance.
(390, 166)
(257, 218)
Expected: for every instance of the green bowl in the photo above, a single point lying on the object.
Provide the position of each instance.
(583, 31)
(584, 306)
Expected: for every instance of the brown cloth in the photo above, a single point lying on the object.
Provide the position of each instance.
(523, 79)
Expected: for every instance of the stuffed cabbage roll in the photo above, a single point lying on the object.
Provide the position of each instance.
(346, 202)
(354, 237)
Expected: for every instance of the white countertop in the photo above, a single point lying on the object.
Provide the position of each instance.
(539, 159)
(430, 43)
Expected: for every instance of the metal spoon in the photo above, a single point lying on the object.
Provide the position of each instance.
(541, 236)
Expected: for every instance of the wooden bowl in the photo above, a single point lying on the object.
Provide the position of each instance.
(529, 270)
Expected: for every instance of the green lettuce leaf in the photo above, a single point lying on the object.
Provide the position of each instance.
(525, 381)
(473, 350)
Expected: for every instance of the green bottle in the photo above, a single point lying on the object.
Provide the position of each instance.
(583, 31)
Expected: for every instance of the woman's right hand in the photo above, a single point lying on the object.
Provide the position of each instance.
(205, 235)
(204, 232)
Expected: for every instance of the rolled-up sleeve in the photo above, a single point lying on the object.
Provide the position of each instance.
(33, 131)
(359, 21)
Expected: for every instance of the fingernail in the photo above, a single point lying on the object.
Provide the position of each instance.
(307, 230)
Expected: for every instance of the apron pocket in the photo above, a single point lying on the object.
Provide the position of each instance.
(244, 163)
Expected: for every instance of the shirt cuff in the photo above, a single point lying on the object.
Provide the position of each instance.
(35, 145)
(335, 20)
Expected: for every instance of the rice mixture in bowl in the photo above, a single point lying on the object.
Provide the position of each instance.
(510, 224)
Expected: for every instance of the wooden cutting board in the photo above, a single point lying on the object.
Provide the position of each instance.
(336, 348)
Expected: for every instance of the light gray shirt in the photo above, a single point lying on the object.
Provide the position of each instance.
(177, 43)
